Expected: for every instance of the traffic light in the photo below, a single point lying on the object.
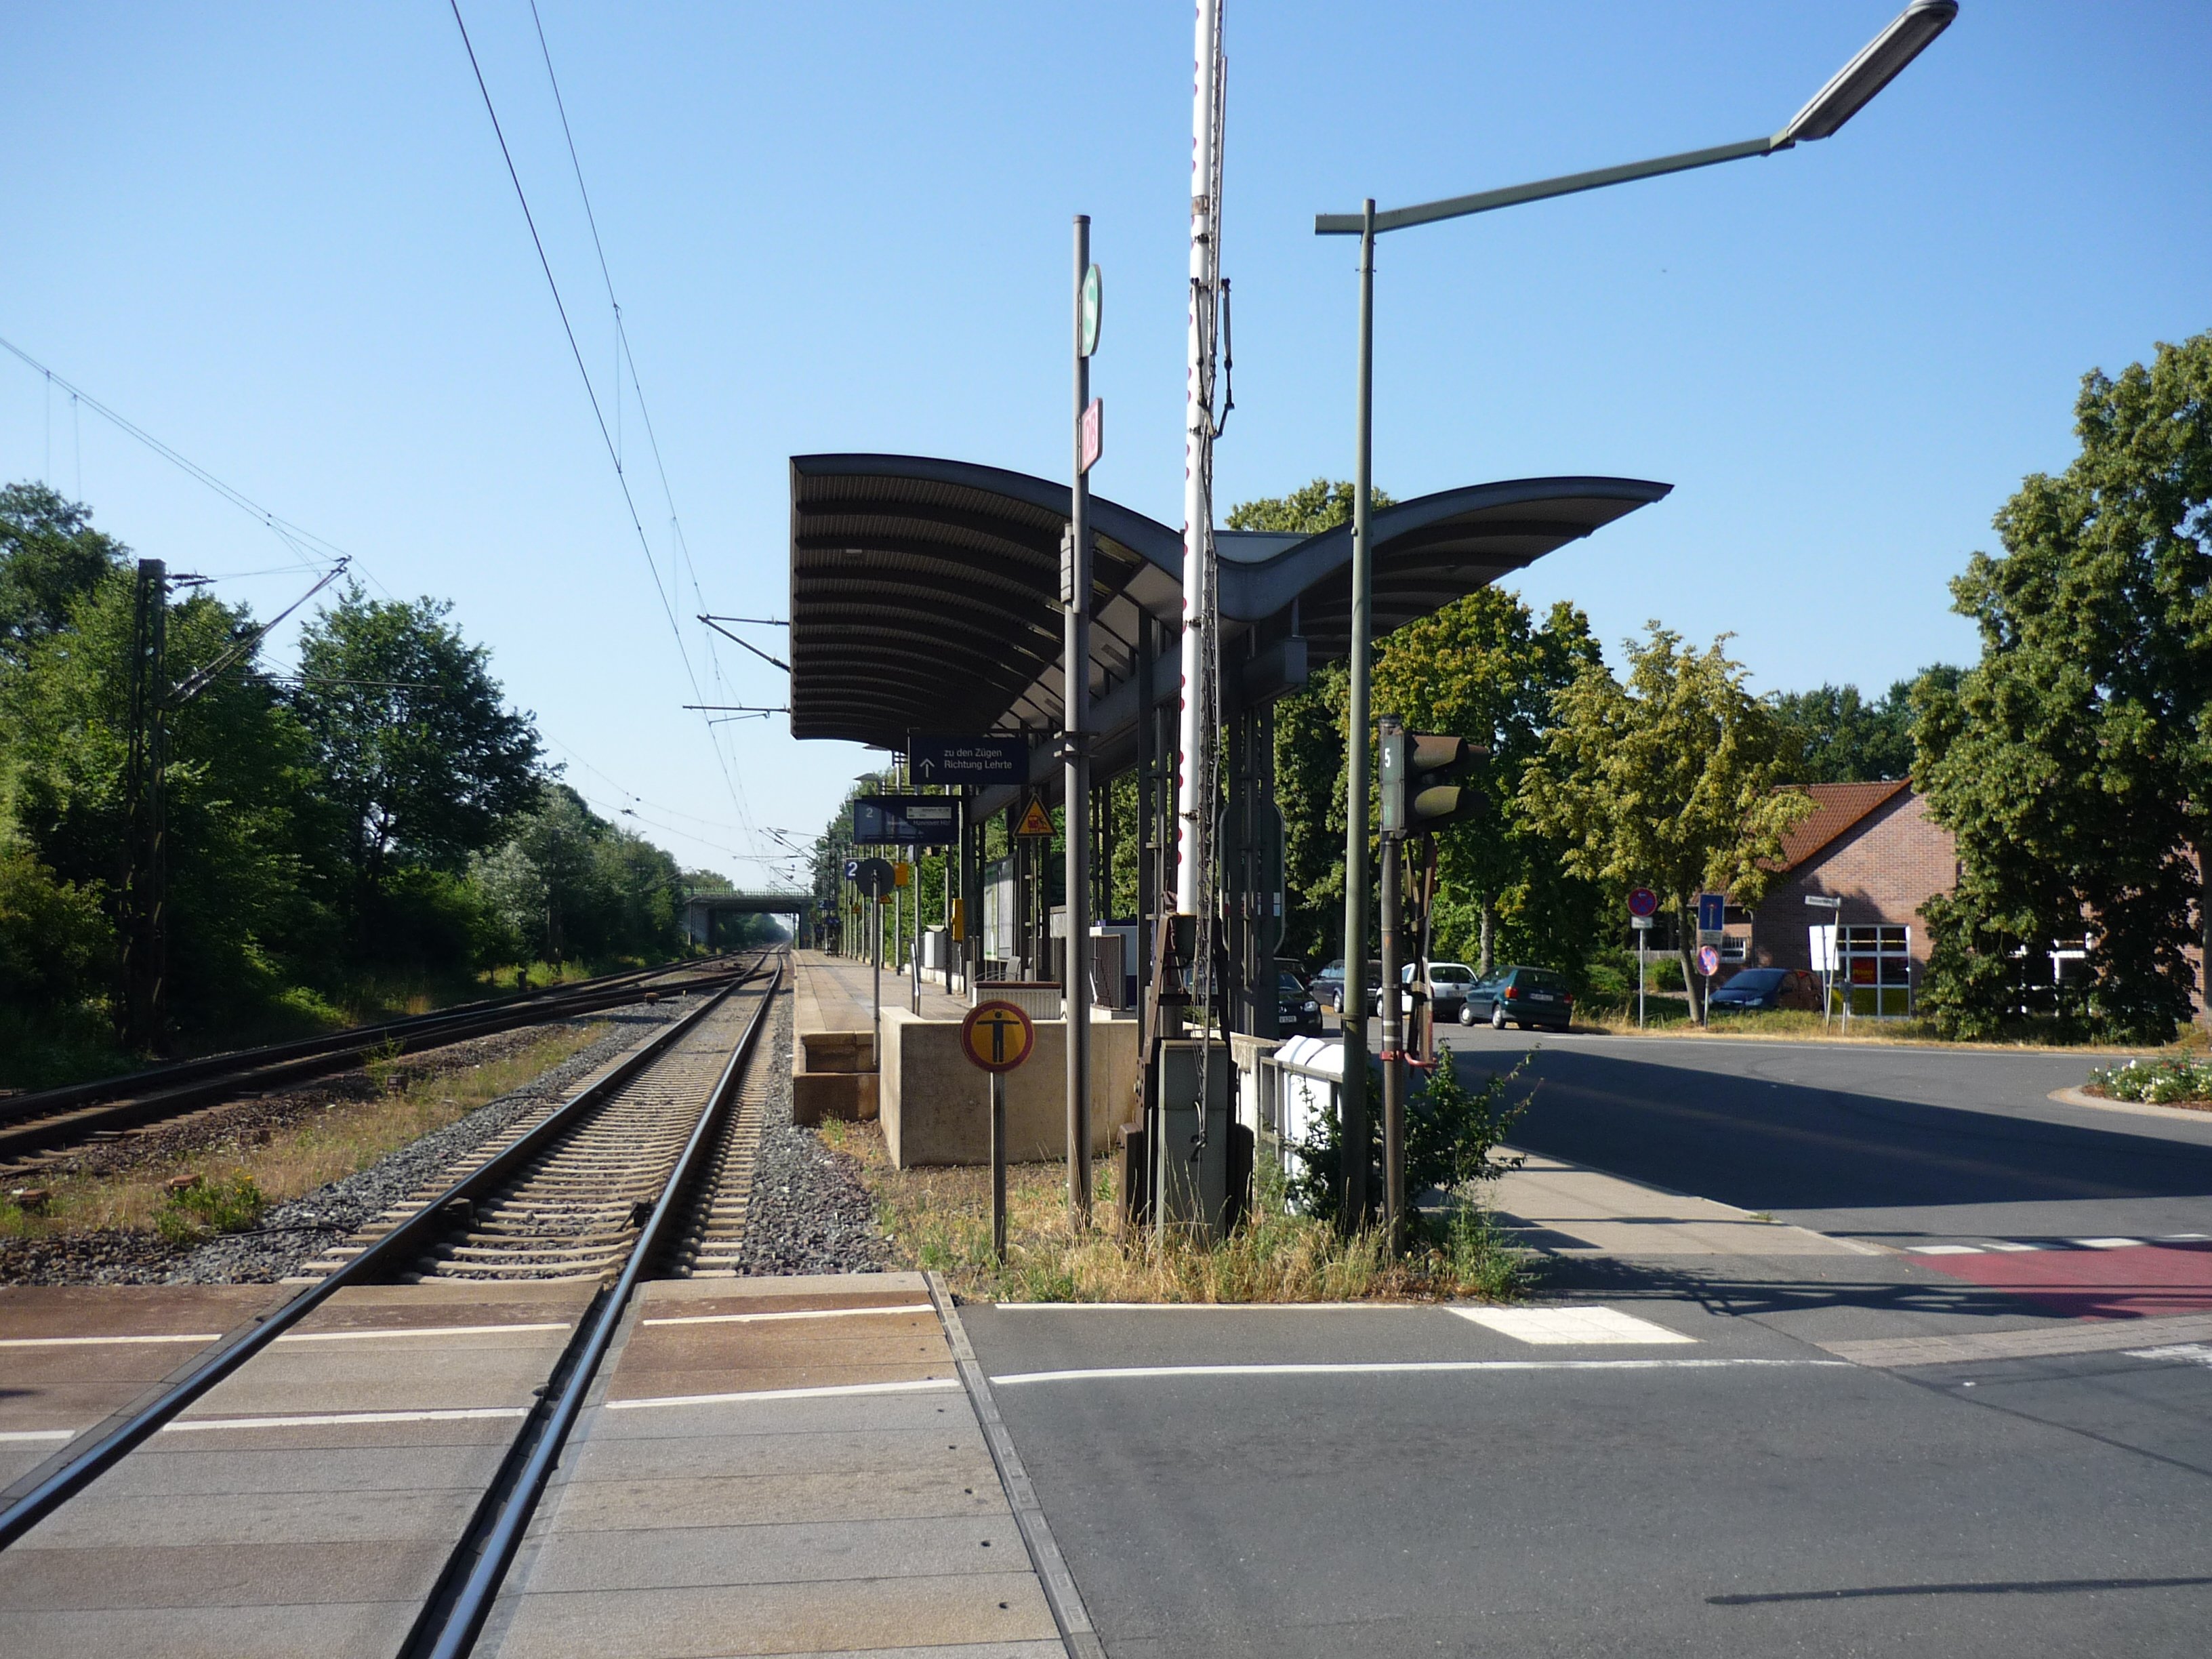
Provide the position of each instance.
(1423, 780)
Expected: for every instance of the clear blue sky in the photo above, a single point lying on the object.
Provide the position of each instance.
(282, 239)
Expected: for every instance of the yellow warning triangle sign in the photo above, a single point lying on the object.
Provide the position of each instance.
(1036, 821)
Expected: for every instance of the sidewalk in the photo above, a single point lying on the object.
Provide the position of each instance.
(1573, 1210)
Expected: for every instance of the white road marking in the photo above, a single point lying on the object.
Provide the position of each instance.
(331, 1419)
(2201, 1353)
(2108, 1243)
(1411, 1367)
(801, 1313)
(101, 1341)
(1944, 1249)
(421, 1330)
(920, 1385)
(1577, 1325)
(2010, 1244)
(1203, 1308)
(288, 1336)
(19, 1436)
(2181, 1238)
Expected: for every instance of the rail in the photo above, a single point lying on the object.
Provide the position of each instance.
(80, 1470)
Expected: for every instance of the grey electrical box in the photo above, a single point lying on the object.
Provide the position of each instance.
(1194, 1171)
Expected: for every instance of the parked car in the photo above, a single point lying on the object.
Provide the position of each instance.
(1329, 984)
(1296, 1009)
(1525, 997)
(1756, 989)
(1449, 983)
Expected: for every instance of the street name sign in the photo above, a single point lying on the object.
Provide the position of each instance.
(906, 820)
(992, 758)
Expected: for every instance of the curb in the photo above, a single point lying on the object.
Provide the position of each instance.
(1077, 1633)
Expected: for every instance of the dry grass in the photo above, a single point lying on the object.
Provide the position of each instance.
(343, 1137)
(940, 1219)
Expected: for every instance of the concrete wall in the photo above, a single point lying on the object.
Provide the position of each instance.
(1884, 868)
(936, 1107)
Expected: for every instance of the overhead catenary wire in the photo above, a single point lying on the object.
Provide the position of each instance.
(590, 391)
(624, 354)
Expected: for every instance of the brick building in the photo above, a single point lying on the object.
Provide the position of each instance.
(1873, 845)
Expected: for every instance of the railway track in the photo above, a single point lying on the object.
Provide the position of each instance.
(643, 1169)
(33, 1127)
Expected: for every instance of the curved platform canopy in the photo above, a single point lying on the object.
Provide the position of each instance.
(925, 593)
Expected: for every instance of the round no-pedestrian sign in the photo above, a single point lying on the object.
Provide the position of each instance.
(997, 1035)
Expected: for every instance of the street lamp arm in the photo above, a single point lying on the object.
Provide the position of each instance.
(1350, 224)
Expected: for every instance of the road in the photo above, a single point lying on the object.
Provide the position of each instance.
(1799, 1475)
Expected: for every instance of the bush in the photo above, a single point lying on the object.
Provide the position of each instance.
(1450, 1131)
(2160, 1082)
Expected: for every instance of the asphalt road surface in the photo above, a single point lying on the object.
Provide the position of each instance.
(1700, 1454)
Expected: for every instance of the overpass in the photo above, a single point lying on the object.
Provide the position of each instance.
(701, 910)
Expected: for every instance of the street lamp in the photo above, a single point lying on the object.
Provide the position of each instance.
(1846, 92)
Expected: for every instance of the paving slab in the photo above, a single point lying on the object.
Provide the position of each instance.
(738, 1524)
(305, 1505)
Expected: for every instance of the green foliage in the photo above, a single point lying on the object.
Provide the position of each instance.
(245, 872)
(1482, 668)
(1306, 511)
(2074, 763)
(414, 746)
(51, 557)
(1670, 780)
(1451, 1132)
(566, 883)
(2162, 1082)
(210, 1207)
(1843, 738)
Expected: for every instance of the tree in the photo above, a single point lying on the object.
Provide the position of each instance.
(1847, 739)
(2074, 761)
(1671, 780)
(240, 793)
(1309, 727)
(565, 884)
(1483, 669)
(416, 749)
(51, 557)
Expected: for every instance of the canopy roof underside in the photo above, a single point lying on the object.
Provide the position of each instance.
(925, 593)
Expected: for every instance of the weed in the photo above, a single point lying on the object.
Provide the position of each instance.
(382, 1064)
(207, 1208)
(940, 1219)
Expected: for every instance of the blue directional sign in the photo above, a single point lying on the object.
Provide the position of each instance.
(994, 758)
(1712, 912)
(906, 820)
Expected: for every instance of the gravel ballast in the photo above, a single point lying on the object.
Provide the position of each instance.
(809, 1212)
(294, 1232)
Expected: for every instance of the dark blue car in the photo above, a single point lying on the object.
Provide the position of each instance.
(1762, 989)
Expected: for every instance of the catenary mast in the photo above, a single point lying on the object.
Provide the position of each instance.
(1195, 730)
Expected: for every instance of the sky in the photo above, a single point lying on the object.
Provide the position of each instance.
(283, 240)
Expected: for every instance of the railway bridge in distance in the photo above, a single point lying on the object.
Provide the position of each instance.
(702, 913)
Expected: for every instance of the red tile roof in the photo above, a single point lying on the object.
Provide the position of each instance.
(1836, 808)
